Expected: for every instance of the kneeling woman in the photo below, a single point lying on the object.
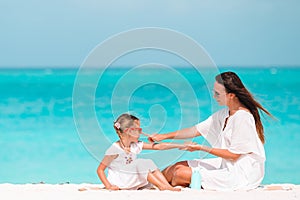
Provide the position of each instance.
(236, 135)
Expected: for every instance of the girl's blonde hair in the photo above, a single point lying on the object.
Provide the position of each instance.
(124, 121)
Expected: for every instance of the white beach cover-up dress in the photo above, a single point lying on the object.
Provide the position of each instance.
(126, 171)
(240, 137)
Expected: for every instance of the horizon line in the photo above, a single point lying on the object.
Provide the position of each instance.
(129, 66)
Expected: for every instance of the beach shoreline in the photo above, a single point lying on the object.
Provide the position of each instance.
(96, 191)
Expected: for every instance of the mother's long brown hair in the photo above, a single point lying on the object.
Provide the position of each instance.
(233, 84)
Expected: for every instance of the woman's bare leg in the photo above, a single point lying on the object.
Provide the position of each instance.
(178, 174)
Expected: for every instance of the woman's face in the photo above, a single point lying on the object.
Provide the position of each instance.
(220, 94)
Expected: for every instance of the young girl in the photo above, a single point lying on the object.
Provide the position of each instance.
(125, 171)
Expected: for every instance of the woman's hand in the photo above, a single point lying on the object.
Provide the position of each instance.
(155, 137)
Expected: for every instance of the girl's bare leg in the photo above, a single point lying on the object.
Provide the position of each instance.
(158, 179)
(163, 179)
(178, 174)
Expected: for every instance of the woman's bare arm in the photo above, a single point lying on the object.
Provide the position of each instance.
(223, 153)
(180, 134)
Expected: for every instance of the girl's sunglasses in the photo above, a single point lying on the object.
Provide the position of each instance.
(134, 129)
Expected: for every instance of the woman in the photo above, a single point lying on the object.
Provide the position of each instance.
(236, 135)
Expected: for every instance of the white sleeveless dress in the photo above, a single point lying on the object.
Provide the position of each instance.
(127, 171)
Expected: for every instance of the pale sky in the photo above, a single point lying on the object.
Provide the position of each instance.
(233, 32)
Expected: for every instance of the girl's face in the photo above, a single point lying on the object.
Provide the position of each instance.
(220, 94)
(134, 132)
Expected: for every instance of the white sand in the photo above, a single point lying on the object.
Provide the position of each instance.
(71, 191)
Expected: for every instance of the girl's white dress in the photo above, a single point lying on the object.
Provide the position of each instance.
(240, 137)
(126, 171)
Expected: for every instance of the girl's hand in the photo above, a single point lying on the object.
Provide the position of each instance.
(191, 147)
(113, 187)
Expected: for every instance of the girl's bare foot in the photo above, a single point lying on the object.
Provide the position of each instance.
(170, 188)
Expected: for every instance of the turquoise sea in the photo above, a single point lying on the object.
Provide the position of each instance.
(48, 131)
